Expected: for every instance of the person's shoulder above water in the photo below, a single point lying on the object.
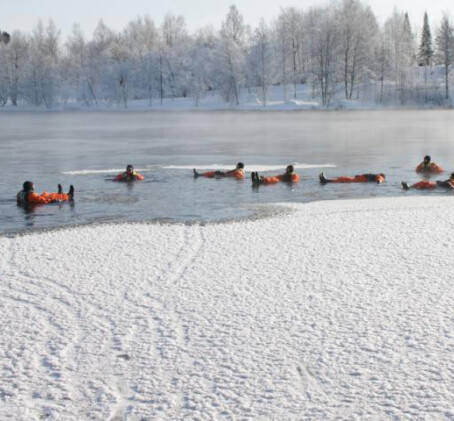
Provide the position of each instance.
(129, 175)
(427, 166)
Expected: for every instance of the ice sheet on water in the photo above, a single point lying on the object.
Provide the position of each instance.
(102, 171)
(248, 168)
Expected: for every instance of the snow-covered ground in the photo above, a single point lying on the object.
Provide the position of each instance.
(249, 101)
(337, 310)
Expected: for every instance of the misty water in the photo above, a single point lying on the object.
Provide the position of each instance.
(88, 149)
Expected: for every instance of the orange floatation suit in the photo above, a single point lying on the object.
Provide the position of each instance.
(362, 178)
(124, 176)
(44, 198)
(431, 167)
(424, 185)
(237, 173)
(288, 178)
(429, 185)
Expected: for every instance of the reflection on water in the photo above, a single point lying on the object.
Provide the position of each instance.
(89, 149)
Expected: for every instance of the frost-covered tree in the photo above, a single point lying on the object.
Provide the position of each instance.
(291, 37)
(231, 55)
(261, 61)
(358, 30)
(14, 65)
(75, 66)
(399, 50)
(337, 50)
(43, 76)
(324, 44)
(202, 63)
(173, 63)
(445, 47)
(142, 39)
(99, 63)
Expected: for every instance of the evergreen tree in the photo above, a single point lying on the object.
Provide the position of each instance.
(425, 47)
(408, 41)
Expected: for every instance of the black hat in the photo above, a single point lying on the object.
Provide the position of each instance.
(28, 185)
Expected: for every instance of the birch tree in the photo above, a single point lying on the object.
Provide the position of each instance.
(445, 48)
(231, 54)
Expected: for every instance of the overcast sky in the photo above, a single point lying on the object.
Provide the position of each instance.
(24, 14)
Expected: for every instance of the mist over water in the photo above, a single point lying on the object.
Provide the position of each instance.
(88, 149)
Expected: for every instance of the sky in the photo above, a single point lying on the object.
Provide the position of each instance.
(24, 14)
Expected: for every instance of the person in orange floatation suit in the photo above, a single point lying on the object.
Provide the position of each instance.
(361, 178)
(237, 173)
(429, 185)
(28, 196)
(129, 175)
(288, 177)
(427, 166)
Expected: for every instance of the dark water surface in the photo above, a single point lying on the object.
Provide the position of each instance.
(87, 149)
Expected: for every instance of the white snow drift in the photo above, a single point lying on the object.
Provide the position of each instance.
(338, 310)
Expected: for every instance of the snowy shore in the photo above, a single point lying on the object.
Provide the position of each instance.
(249, 102)
(338, 310)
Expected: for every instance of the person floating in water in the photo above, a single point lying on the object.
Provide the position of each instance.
(28, 196)
(429, 185)
(361, 178)
(429, 167)
(237, 173)
(288, 177)
(129, 175)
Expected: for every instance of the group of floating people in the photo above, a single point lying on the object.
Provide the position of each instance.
(425, 167)
(28, 196)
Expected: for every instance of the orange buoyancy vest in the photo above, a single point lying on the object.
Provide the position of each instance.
(424, 185)
(431, 167)
(238, 174)
(124, 176)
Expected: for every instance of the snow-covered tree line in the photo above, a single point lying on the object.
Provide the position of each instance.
(337, 51)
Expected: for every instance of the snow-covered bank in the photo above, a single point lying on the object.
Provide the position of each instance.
(340, 309)
(213, 101)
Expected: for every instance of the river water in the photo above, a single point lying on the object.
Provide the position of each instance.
(88, 149)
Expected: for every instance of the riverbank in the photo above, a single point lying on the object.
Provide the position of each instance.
(338, 309)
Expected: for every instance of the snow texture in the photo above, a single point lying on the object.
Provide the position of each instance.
(335, 310)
